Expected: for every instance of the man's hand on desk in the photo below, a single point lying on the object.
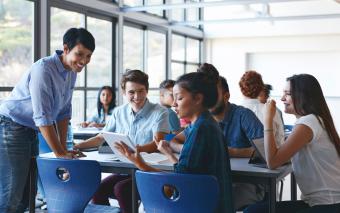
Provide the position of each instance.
(71, 154)
(77, 153)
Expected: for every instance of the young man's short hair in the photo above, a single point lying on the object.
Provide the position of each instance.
(74, 36)
(135, 76)
(166, 84)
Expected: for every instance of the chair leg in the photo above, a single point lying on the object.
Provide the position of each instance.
(281, 190)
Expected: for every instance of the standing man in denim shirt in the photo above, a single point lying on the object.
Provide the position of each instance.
(41, 99)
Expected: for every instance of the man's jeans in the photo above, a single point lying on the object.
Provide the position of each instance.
(17, 145)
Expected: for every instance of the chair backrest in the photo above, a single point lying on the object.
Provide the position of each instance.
(72, 194)
(194, 193)
(43, 146)
(288, 128)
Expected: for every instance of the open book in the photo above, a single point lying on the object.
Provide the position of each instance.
(111, 138)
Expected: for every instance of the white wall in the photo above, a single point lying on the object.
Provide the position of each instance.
(277, 58)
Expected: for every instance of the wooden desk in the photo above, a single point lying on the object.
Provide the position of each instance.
(240, 169)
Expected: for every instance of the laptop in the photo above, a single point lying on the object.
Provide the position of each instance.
(258, 158)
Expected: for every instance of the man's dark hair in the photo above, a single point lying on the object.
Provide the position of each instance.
(267, 89)
(210, 70)
(224, 84)
(166, 84)
(74, 36)
(135, 76)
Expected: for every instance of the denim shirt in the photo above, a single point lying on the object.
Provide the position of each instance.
(240, 125)
(142, 126)
(204, 152)
(43, 95)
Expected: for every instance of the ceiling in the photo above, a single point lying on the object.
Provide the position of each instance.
(273, 19)
(249, 18)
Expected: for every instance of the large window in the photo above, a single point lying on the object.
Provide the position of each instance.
(146, 50)
(16, 42)
(145, 45)
(185, 56)
(133, 45)
(99, 71)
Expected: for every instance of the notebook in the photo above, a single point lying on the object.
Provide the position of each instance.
(111, 138)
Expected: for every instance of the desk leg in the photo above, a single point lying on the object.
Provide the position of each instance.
(33, 184)
(272, 195)
(134, 193)
(293, 189)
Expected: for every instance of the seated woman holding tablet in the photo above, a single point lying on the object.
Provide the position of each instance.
(203, 151)
(142, 121)
(313, 147)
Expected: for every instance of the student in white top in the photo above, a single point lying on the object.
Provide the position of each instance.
(313, 147)
(251, 86)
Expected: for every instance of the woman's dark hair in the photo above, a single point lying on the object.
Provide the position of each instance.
(251, 84)
(112, 103)
(135, 76)
(210, 70)
(200, 83)
(308, 98)
(73, 36)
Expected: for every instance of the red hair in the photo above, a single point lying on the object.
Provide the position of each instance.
(251, 84)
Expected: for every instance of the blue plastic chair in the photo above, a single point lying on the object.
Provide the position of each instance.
(194, 193)
(288, 128)
(70, 192)
(43, 146)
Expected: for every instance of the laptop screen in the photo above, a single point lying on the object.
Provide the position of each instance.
(259, 157)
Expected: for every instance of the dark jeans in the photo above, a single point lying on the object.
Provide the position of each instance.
(293, 207)
(115, 186)
(18, 144)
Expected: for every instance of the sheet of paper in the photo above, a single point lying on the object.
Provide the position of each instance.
(153, 158)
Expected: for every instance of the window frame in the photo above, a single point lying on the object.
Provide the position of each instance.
(93, 13)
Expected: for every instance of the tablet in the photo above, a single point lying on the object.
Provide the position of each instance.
(111, 138)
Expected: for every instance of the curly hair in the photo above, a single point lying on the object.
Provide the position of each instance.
(251, 84)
